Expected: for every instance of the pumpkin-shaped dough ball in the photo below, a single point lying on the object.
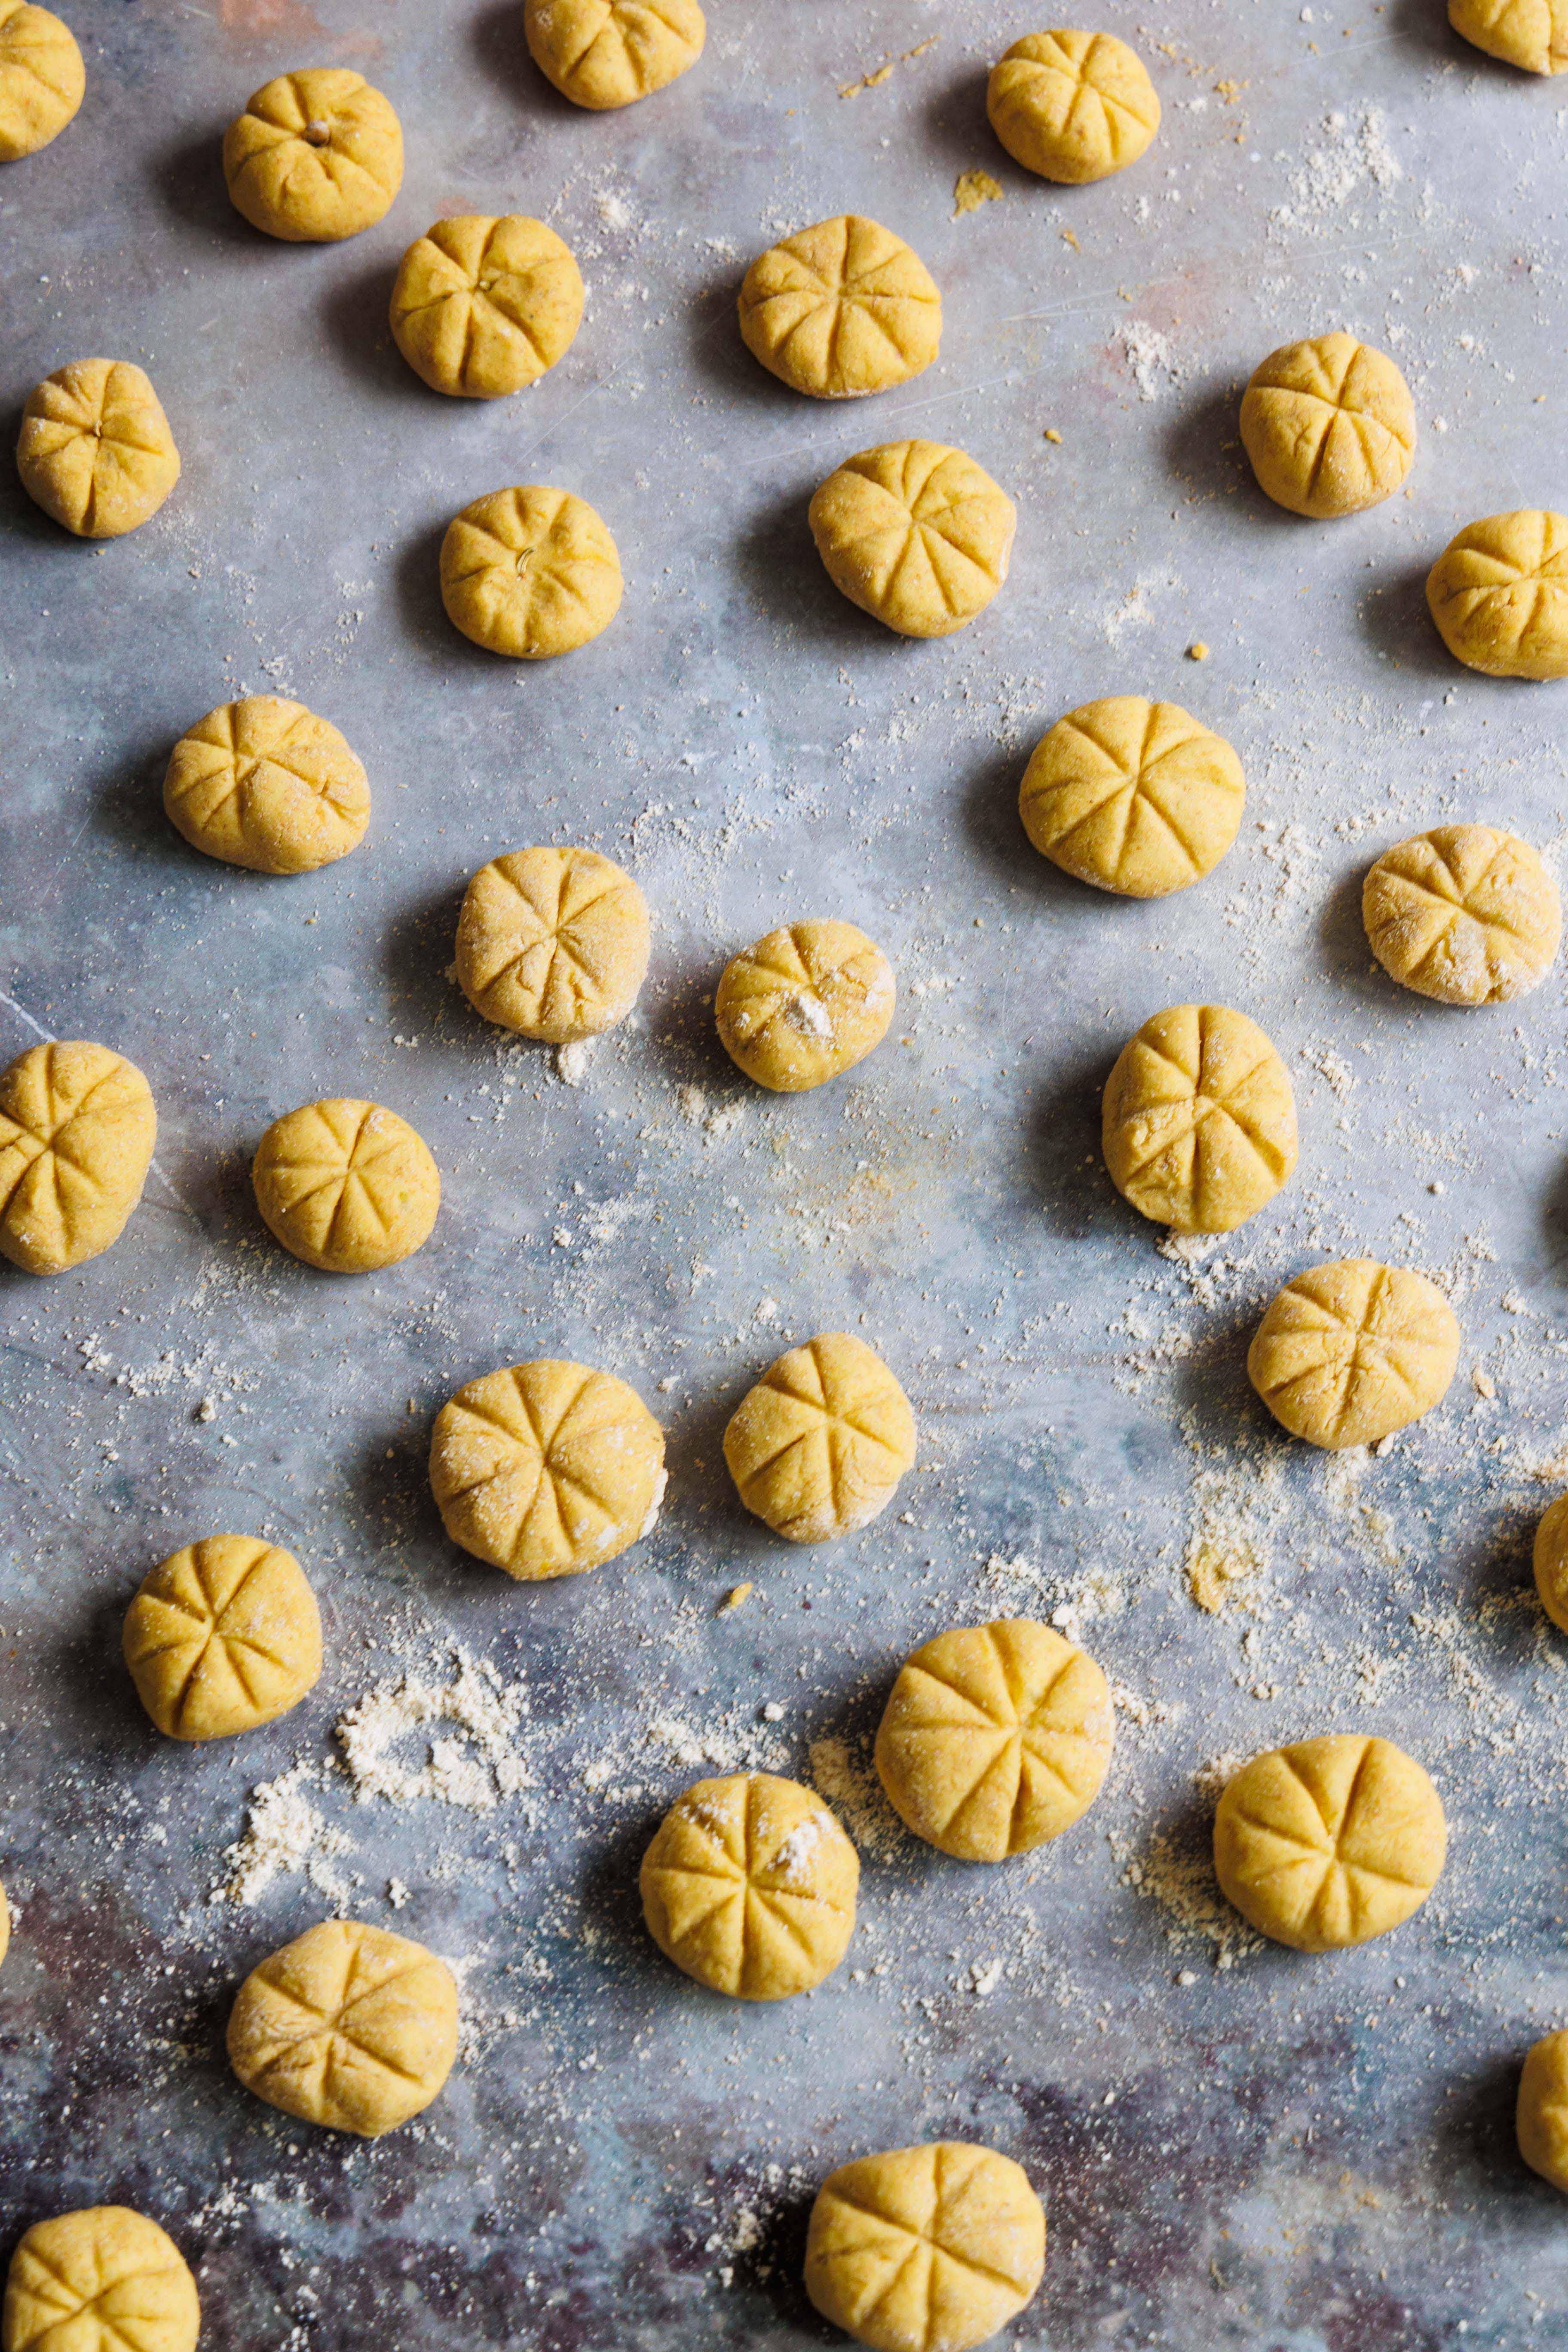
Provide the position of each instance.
(223, 1635)
(1532, 34)
(818, 1448)
(804, 1004)
(530, 573)
(841, 308)
(925, 2249)
(481, 307)
(346, 1185)
(1348, 1352)
(96, 452)
(748, 1885)
(316, 156)
(1073, 107)
(1136, 797)
(77, 1132)
(42, 78)
(1549, 1560)
(96, 2281)
(552, 943)
(1463, 913)
(916, 534)
(266, 784)
(1541, 2115)
(1330, 1842)
(347, 2026)
(607, 53)
(1330, 426)
(546, 1469)
(1199, 1120)
(1498, 593)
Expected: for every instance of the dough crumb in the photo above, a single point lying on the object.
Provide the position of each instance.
(736, 1596)
(973, 189)
(1197, 650)
(1052, 434)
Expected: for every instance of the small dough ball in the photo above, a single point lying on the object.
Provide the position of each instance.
(42, 78)
(266, 784)
(316, 156)
(96, 2281)
(223, 1635)
(1330, 426)
(1330, 1842)
(1498, 593)
(1348, 1352)
(1529, 33)
(96, 452)
(818, 1447)
(995, 1738)
(1134, 796)
(1551, 1562)
(1541, 2117)
(481, 307)
(1073, 107)
(530, 573)
(748, 1885)
(347, 1186)
(546, 1469)
(1199, 1123)
(1463, 913)
(841, 308)
(77, 1133)
(347, 2026)
(606, 53)
(804, 1004)
(552, 943)
(916, 534)
(925, 2249)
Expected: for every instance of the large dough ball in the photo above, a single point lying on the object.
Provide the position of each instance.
(1199, 1120)
(316, 156)
(77, 1133)
(96, 452)
(606, 53)
(925, 2249)
(748, 1885)
(223, 1635)
(346, 1185)
(1330, 1842)
(552, 943)
(841, 308)
(1540, 2116)
(481, 307)
(530, 573)
(1348, 1352)
(818, 1447)
(1529, 33)
(42, 78)
(1073, 107)
(1463, 913)
(1498, 593)
(804, 1004)
(916, 534)
(266, 784)
(97, 2280)
(1330, 426)
(1134, 796)
(347, 2026)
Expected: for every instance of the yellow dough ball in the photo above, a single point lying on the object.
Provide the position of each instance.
(266, 784)
(347, 2026)
(804, 1004)
(1549, 1560)
(42, 78)
(77, 1133)
(916, 534)
(530, 573)
(96, 2281)
(1199, 1120)
(1073, 107)
(1136, 797)
(1330, 1842)
(347, 1186)
(748, 1885)
(5, 1925)
(818, 1447)
(925, 2249)
(606, 53)
(316, 156)
(1348, 1352)
(481, 307)
(223, 1635)
(546, 1469)
(1330, 426)
(841, 308)
(552, 943)
(1463, 913)
(1532, 33)
(1540, 2115)
(96, 452)
(1498, 593)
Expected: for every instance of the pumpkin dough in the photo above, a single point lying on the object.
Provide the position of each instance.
(1330, 1842)
(1541, 2117)
(223, 1635)
(1498, 593)
(266, 784)
(818, 1447)
(804, 1004)
(916, 534)
(42, 78)
(1136, 797)
(748, 1885)
(1463, 913)
(347, 1186)
(841, 308)
(482, 307)
(316, 156)
(1551, 1562)
(98, 2281)
(530, 573)
(995, 1738)
(347, 2026)
(1348, 1352)
(552, 943)
(1073, 107)
(604, 53)
(77, 1132)
(1529, 33)
(1330, 426)
(1199, 1124)
(925, 2249)
(5, 1925)
(96, 452)
(547, 1468)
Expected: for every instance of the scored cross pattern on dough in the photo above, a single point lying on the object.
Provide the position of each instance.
(42, 78)
(1133, 796)
(818, 1445)
(609, 52)
(1348, 1352)
(529, 571)
(77, 1132)
(552, 943)
(1463, 913)
(263, 782)
(316, 156)
(483, 306)
(1330, 1842)
(841, 308)
(926, 2248)
(101, 2280)
(223, 1635)
(915, 533)
(1499, 594)
(96, 451)
(1199, 1120)
(804, 1004)
(348, 2026)
(748, 1885)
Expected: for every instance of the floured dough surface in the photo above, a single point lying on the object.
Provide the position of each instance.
(42, 78)
(266, 784)
(607, 53)
(818, 1448)
(916, 534)
(552, 943)
(96, 452)
(1133, 796)
(347, 1185)
(530, 573)
(925, 2249)
(1073, 107)
(804, 1004)
(77, 1134)
(748, 1885)
(1463, 913)
(99, 2280)
(1499, 594)
(223, 1635)
(841, 308)
(1199, 1120)
(1532, 34)
(1348, 1352)
(481, 305)
(316, 156)
(347, 2026)
(1330, 1842)
(1328, 426)
(1541, 2114)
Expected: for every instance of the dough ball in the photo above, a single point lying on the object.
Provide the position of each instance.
(1348, 1352)
(1529, 33)
(1463, 913)
(841, 308)
(995, 1738)
(748, 1885)
(530, 573)
(916, 534)
(42, 78)
(77, 1132)
(804, 1004)
(96, 2281)
(1498, 593)
(96, 452)
(925, 2249)
(316, 156)
(604, 53)
(1199, 1122)
(482, 307)
(266, 784)
(1072, 106)
(1330, 426)
(546, 1469)
(347, 1186)
(1541, 2117)
(347, 2026)
(1551, 1562)
(818, 1447)
(223, 1635)
(552, 943)
(1134, 796)
(1330, 1842)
